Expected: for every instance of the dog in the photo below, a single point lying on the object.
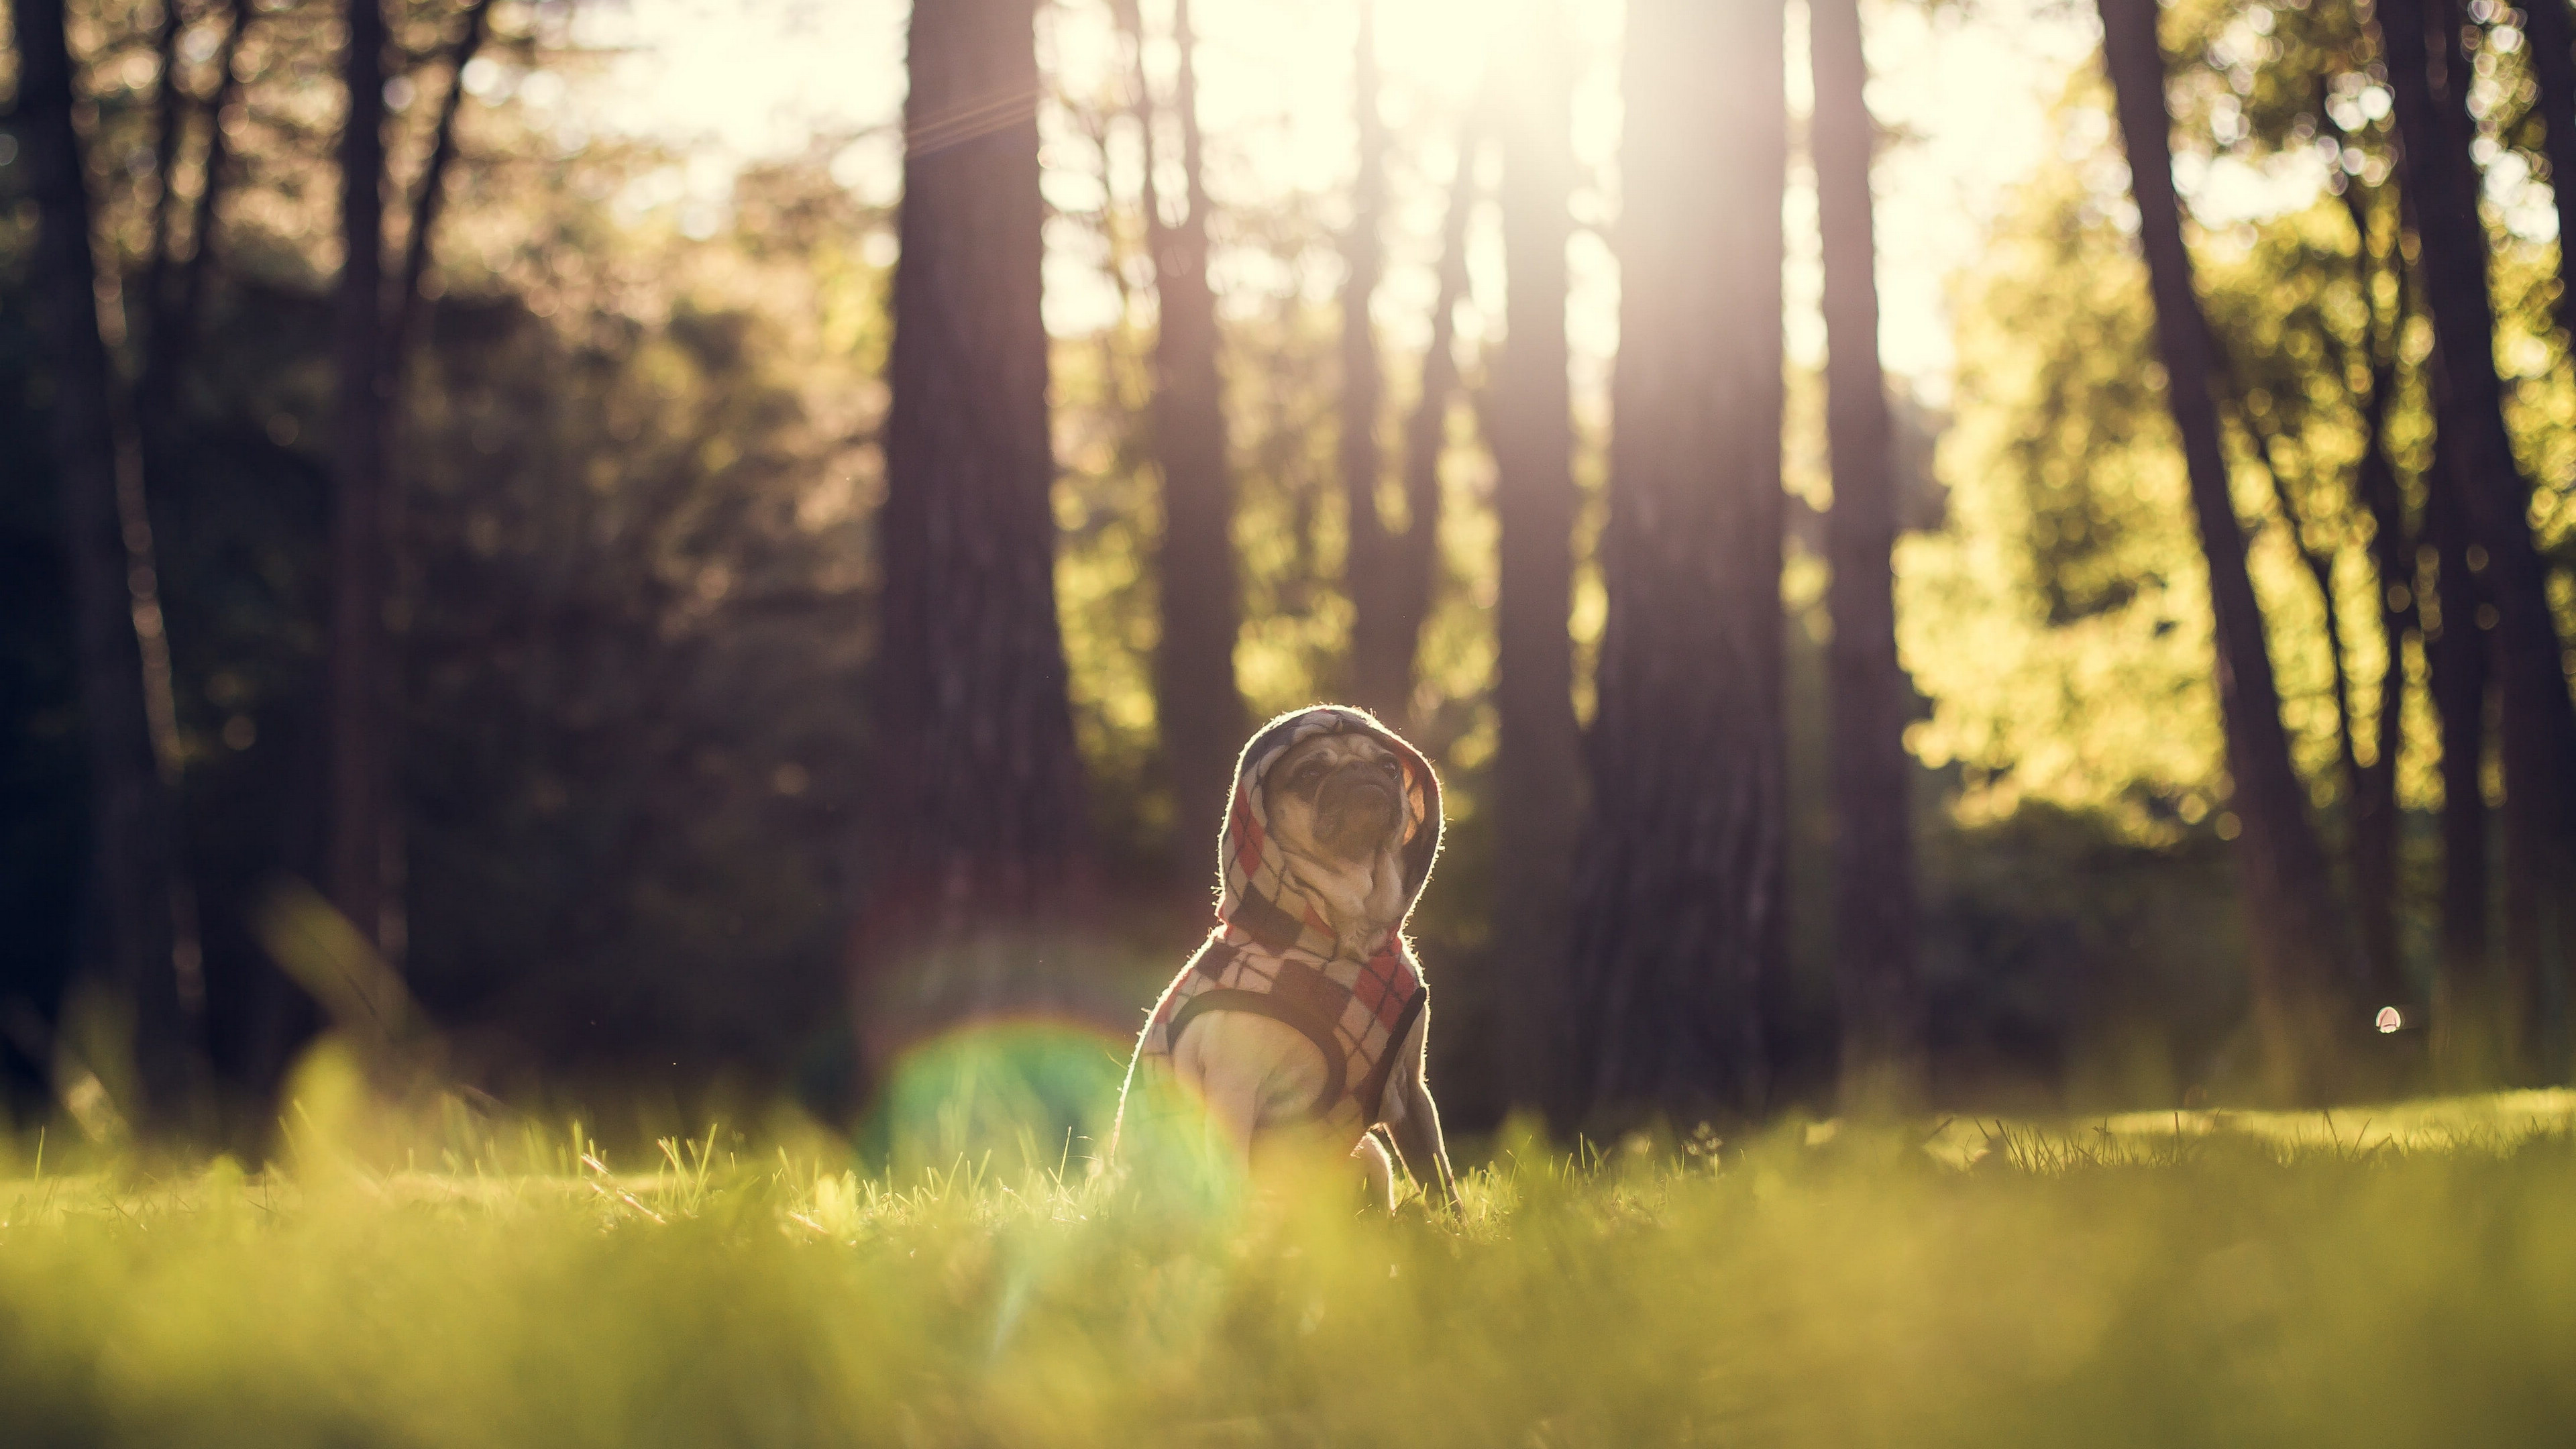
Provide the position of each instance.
(1299, 1023)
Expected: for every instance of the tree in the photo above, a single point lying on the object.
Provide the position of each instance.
(2428, 76)
(1385, 644)
(1874, 974)
(2467, 1029)
(977, 790)
(360, 769)
(2299, 975)
(429, 200)
(132, 931)
(176, 306)
(1678, 890)
(1538, 799)
(2375, 489)
(1363, 463)
(1196, 698)
(404, 309)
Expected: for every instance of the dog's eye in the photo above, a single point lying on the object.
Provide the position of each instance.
(1307, 774)
(1393, 768)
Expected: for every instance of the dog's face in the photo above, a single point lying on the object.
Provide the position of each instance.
(1338, 798)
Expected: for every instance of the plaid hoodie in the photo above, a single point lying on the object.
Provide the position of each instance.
(1272, 952)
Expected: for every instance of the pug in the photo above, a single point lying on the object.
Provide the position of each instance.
(1300, 1023)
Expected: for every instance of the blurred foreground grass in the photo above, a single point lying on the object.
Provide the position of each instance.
(2409, 1278)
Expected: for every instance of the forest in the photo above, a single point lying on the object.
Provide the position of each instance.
(468, 578)
(635, 633)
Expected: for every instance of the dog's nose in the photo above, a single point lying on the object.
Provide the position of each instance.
(1363, 776)
(1356, 808)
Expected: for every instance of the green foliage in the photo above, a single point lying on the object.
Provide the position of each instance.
(2136, 1281)
(2060, 621)
(635, 467)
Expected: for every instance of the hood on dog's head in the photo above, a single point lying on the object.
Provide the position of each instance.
(1252, 892)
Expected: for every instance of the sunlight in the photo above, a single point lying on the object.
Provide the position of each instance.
(1971, 94)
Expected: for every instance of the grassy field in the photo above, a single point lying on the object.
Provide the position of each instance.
(2405, 1278)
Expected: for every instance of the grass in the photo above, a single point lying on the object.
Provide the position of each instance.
(2405, 1280)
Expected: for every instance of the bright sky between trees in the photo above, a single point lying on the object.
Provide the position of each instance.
(735, 80)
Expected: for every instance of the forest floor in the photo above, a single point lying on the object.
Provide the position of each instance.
(2403, 1277)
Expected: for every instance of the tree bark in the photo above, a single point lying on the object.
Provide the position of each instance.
(1883, 1063)
(1538, 759)
(1678, 897)
(2552, 32)
(169, 118)
(2375, 814)
(977, 820)
(359, 768)
(2468, 1019)
(2300, 975)
(2429, 77)
(132, 932)
(1363, 462)
(1386, 646)
(429, 199)
(405, 312)
(2372, 843)
(1197, 700)
(179, 308)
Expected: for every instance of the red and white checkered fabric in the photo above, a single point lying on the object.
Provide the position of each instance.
(1272, 942)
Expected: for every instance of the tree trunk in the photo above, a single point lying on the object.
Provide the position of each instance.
(1883, 1062)
(2428, 75)
(1385, 649)
(359, 768)
(131, 927)
(2468, 1045)
(1196, 699)
(169, 119)
(977, 825)
(405, 311)
(1538, 802)
(1363, 463)
(2552, 32)
(2375, 816)
(429, 199)
(2373, 840)
(2375, 813)
(2300, 977)
(1678, 897)
(179, 308)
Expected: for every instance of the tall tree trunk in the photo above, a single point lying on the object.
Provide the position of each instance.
(179, 306)
(1196, 698)
(2429, 77)
(1363, 462)
(358, 764)
(1883, 1062)
(2375, 815)
(169, 121)
(1538, 801)
(131, 926)
(405, 311)
(429, 200)
(2300, 976)
(978, 791)
(2468, 1020)
(2373, 839)
(1385, 646)
(1538, 760)
(2552, 31)
(1678, 918)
